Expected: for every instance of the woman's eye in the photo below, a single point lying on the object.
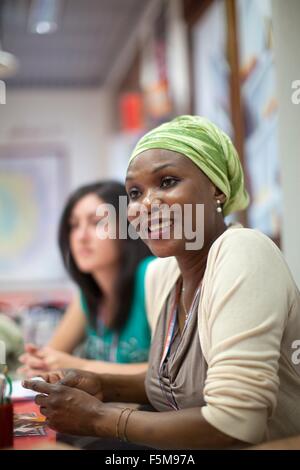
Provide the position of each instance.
(134, 194)
(168, 182)
(94, 222)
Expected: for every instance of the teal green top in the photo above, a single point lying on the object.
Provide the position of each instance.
(130, 345)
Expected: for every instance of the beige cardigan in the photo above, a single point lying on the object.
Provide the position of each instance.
(248, 319)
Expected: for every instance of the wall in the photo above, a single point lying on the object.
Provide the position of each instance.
(287, 60)
(80, 121)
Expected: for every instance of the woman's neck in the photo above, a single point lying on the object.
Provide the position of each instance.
(192, 264)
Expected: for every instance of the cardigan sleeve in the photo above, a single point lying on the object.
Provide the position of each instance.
(244, 308)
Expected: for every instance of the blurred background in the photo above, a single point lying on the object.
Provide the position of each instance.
(81, 80)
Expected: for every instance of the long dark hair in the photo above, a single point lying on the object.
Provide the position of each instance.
(131, 253)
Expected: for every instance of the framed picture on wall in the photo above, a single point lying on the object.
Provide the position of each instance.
(33, 186)
(211, 67)
(260, 108)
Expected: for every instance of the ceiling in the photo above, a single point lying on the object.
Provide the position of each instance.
(83, 50)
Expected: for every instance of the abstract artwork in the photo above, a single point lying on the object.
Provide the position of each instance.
(32, 193)
(258, 91)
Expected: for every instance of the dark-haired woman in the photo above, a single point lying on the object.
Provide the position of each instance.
(223, 369)
(109, 309)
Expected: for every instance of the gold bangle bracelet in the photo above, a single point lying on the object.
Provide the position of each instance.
(118, 423)
(125, 426)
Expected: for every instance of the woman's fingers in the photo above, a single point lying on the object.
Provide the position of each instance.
(31, 348)
(23, 358)
(51, 377)
(43, 352)
(40, 399)
(71, 378)
(54, 377)
(43, 411)
(45, 359)
(34, 373)
(39, 386)
(27, 372)
(35, 363)
(45, 376)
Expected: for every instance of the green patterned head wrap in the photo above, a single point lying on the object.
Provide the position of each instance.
(209, 148)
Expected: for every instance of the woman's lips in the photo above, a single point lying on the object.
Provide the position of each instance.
(160, 230)
(85, 252)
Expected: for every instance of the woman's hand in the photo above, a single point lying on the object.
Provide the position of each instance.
(31, 360)
(88, 382)
(37, 360)
(105, 387)
(73, 411)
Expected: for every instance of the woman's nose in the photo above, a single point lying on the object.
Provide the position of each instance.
(83, 232)
(151, 201)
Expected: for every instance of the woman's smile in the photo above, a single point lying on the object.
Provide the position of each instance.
(165, 191)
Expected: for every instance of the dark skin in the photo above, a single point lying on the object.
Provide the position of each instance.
(180, 182)
(162, 177)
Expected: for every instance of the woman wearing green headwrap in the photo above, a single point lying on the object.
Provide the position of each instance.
(224, 309)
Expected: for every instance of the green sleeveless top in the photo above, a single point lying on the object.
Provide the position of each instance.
(132, 343)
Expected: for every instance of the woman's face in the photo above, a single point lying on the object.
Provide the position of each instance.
(164, 177)
(89, 251)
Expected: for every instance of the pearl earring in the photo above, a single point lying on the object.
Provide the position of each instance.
(219, 207)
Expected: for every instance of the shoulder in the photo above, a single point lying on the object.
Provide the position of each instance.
(248, 263)
(247, 267)
(247, 236)
(247, 247)
(247, 287)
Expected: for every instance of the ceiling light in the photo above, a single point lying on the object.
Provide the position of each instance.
(45, 27)
(44, 16)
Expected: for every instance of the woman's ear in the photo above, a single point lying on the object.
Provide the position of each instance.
(218, 195)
